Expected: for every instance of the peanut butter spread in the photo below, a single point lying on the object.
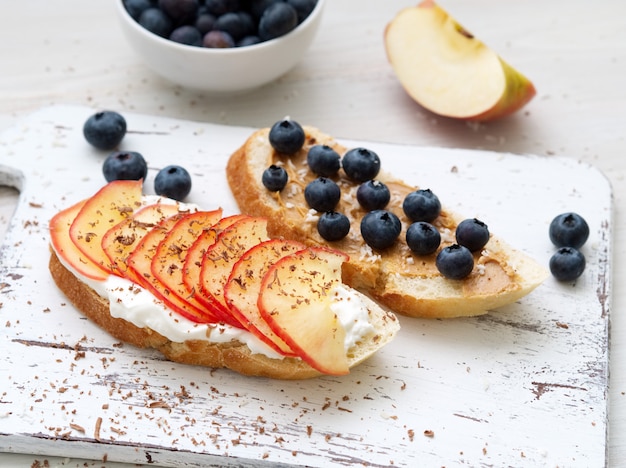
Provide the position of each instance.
(491, 272)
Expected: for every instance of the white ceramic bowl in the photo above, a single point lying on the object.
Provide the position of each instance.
(221, 70)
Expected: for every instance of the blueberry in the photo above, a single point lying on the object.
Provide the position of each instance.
(136, 7)
(361, 164)
(286, 136)
(423, 238)
(219, 7)
(303, 8)
(275, 178)
(567, 264)
(455, 262)
(248, 41)
(373, 195)
(421, 205)
(105, 130)
(124, 165)
(257, 7)
(569, 230)
(156, 21)
(277, 20)
(323, 160)
(322, 194)
(173, 182)
(235, 24)
(179, 11)
(204, 23)
(473, 234)
(218, 40)
(333, 226)
(380, 229)
(188, 35)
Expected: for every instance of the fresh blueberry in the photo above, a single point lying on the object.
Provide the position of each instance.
(105, 130)
(322, 194)
(136, 7)
(373, 195)
(277, 20)
(179, 11)
(275, 178)
(361, 164)
(473, 234)
(303, 8)
(156, 21)
(188, 35)
(569, 230)
(567, 264)
(236, 24)
(423, 238)
(333, 226)
(455, 262)
(421, 205)
(323, 160)
(218, 40)
(220, 7)
(204, 23)
(257, 7)
(286, 136)
(124, 165)
(380, 229)
(173, 182)
(248, 41)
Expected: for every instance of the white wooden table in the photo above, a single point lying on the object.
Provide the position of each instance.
(71, 52)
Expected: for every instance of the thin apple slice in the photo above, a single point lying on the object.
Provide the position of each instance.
(139, 269)
(230, 245)
(111, 205)
(193, 266)
(168, 262)
(449, 71)
(244, 285)
(295, 298)
(66, 249)
(120, 241)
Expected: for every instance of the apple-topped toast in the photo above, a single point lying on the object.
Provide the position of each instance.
(211, 290)
(405, 250)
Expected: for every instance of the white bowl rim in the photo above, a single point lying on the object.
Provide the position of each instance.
(223, 51)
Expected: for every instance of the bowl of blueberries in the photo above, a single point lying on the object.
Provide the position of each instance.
(220, 46)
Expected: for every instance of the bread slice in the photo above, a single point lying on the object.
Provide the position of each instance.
(406, 283)
(233, 355)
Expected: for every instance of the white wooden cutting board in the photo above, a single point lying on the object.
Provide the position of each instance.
(522, 386)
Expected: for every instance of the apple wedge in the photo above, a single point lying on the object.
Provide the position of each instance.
(66, 249)
(193, 265)
(448, 71)
(219, 258)
(296, 293)
(120, 241)
(244, 286)
(168, 262)
(111, 205)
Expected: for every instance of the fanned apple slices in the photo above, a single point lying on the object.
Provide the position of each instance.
(210, 269)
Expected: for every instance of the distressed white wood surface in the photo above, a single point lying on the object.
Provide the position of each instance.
(523, 386)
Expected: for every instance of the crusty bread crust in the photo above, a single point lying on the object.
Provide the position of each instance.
(234, 355)
(424, 293)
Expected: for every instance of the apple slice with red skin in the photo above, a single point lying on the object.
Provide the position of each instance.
(168, 262)
(193, 266)
(120, 241)
(111, 205)
(295, 298)
(230, 245)
(66, 249)
(244, 286)
(139, 269)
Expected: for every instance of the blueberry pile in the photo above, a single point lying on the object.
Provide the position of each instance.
(105, 130)
(380, 228)
(219, 23)
(568, 232)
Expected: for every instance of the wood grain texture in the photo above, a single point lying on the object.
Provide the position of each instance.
(524, 386)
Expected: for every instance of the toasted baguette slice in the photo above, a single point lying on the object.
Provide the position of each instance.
(406, 283)
(233, 355)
